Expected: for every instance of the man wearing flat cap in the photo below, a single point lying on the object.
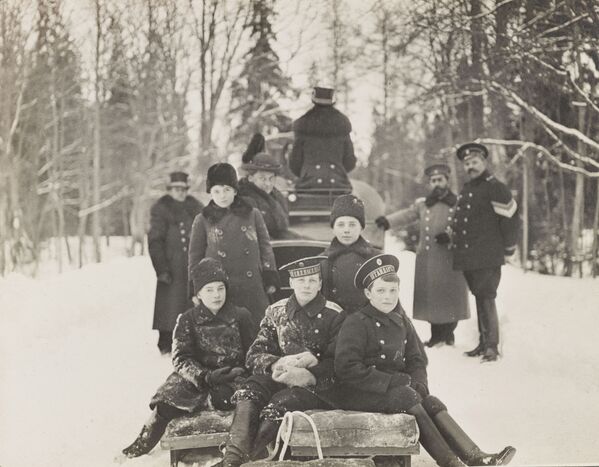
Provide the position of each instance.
(484, 230)
(291, 361)
(440, 293)
(323, 152)
(171, 218)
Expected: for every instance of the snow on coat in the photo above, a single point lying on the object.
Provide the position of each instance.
(203, 342)
(339, 269)
(323, 152)
(440, 292)
(272, 206)
(168, 243)
(288, 329)
(485, 224)
(237, 236)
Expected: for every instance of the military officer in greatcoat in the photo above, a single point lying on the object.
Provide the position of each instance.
(291, 361)
(171, 218)
(484, 230)
(440, 293)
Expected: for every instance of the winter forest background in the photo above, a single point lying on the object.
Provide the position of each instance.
(101, 99)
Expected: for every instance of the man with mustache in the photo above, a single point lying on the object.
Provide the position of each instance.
(484, 230)
(440, 293)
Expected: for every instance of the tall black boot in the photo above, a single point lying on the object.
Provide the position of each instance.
(241, 434)
(482, 340)
(150, 434)
(465, 448)
(266, 434)
(492, 330)
(436, 337)
(432, 440)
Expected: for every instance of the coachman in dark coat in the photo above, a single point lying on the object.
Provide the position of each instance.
(210, 344)
(323, 152)
(485, 229)
(381, 366)
(171, 218)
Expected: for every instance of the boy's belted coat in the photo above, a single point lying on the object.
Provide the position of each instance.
(168, 244)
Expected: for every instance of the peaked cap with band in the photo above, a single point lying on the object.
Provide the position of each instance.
(375, 267)
(304, 266)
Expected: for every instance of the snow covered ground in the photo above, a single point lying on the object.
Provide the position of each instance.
(78, 364)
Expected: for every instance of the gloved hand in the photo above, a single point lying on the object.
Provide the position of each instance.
(165, 278)
(420, 388)
(220, 376)
(382, 223)
(400, 379)
(271, 281)
(291, 376)
(443, 238)
(300, 360)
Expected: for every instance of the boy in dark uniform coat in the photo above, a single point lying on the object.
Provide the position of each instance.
(210, 344)
(291, 361)
(323, 152)
(171, 218)
(381, 366)
(346, 253)
(484, 230)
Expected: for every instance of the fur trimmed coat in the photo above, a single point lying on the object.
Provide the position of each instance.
(323, 152)
(168, 244)
(237, 236)
(272, 206)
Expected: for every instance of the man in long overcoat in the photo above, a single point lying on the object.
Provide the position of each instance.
(485, 229)
(171, 218)
(323, 152)
(440, 293)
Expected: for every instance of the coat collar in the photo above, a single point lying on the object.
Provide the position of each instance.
(239, 207)
(203, 315)
(448, 198)
(311, 309)
(395, 316)
(485, 176)
(360, 246)
(247, 188)
(190, 204)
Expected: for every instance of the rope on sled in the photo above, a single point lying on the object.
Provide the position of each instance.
(284, 434)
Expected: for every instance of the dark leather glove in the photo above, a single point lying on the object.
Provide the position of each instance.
(443, 238)
(420, 388)
(271, 278)
(165, 278)
(400, 379)
(219, 376)
(382, 223)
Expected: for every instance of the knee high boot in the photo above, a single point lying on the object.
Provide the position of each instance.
(482, 336)
(150, 434)
(266, 433)
(241, 434)
(432, 440)
(465, 448)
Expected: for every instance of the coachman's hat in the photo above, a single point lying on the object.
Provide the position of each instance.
(303, 266)
(221, 173)
(206, 271)
(375, 267)
(262, 162)
(323, 96)
(438, 168)
(178, 179)
(348, 205)
(471, 149)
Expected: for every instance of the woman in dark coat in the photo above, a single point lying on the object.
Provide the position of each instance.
(210, 344)
(381, 363)
(232, 231)
(168, 242)
(323, 152)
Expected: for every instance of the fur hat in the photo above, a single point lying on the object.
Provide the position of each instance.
(348, 205)
(206, 271)
(221, 173)
(262, 162)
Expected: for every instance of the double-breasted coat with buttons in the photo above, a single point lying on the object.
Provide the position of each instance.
(485, 224)
(372, 346)
(323, 152)
(440, 293)
(204, 341)
(339, 269)
(168, 243)
(272, 206)
(237, 236)
(288, 329)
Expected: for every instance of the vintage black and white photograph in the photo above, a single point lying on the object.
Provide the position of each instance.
(270, 233)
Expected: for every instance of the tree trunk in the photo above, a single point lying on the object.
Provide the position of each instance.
(594, 259)
(476, 44)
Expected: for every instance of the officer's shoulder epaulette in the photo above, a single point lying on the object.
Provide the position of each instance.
(333, 306)
(490, 178)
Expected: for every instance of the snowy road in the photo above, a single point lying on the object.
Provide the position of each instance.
(79, 364)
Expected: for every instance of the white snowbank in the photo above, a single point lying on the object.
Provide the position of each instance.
(79, 365)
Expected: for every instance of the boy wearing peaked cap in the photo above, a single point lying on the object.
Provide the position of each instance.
(346, 253)
(232, 231)
(209, 347)
(381, 366)
(291, 361)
